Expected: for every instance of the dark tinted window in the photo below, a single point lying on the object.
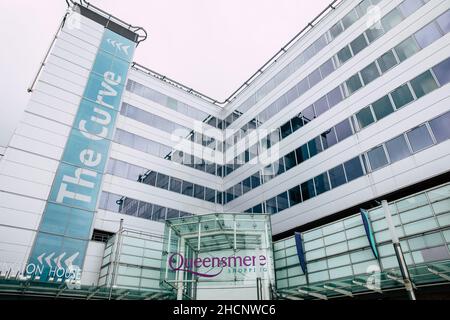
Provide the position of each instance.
(353, 169)
(314, 146)
(302, 153)
(337, 176)
(423, 84)
(402, 96)
(382, 107)
(289, 160)
(322, 184)
(308, 190)
(295, 196)
(370, 73)
(387, 61)
(328, 138)
(365, 117)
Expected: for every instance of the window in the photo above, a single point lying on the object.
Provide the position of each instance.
(175, 185)
(334, 96)
(256, 180)
(353, 169)
(296, 123)
(302, 86)
(314, 78)
(397, 149)
(377, 158)
(444, 21)
(271, 205)
(308, 114)
(322, 184)
(406, 49)
(327, 68)
(246, 185)
(382, 107)
(349, 19)
(358, 44)
(353, 84)
(370, 73)
(291, 95)
(295, 196)
(374, 33)
(328, 138)
(188, 188)
(308, 190)
(282, 201)
(402, 96)
(427, 35)
(162, 181)
(199, 191)
(419, 138)
(441, 127)
(321, 105)
(314, 146)
(210, 195)
(302, 153)
(344, 54)
(289, 160)
(387, 61)
(390, 20)
(336, 30)
(286, 129)
(365, 117)
(337, 176)
(442, 71)
(423, 84)
(150, 179)
(409, 6)
(343, 130)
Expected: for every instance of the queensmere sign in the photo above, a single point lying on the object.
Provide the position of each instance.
(66, 223)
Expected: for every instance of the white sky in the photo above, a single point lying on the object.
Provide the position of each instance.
(212, 46)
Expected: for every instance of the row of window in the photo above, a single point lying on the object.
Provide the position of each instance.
(167, 126)
(164, 100)
(402, 96)
(160, 180)
(115, 203)
(387, 61)
(354, 15)
(426, 135)
(421, 85)
(388, 22)
(163, 151)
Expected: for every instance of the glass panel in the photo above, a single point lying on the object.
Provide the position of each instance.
(290, 160)
(302, 153)
(322, 184)
(349, 19)
(353, 84)
(353, 169)
(329, 138)
(314, 146)
(427, 35)
(295, 196)
(321, 105)
(406, 49)
(377, 158)
(344, 54)
(402, 96)
(336, 30)
(397, 149)
(308, 190)
(343, 130)
(382, 107)
(419, 138)
(365, 117)
(444, 21)
(358, 44)
(282, 201)
(442, 71)
(409, 6)
(423, 84)
(387, 61)
(390, 20)
(335, 96)
(337, 176)
(370, 73)
(441, 127)
(271, 205)
(374, 33)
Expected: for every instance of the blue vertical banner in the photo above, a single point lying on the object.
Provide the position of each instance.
(369, 231)
(61, 241)
(300, 252)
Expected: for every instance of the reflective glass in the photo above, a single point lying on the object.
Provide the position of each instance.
(344, 54)
(390, 20)
(407, 7)
(349, 19)
(365, 117)
(295, 196)
(397, 149)
(427, 35)
(442, 71)
(382, 107)
(419, 138)
(374, 33)
(377, 158)
(337, 176)
(406, 49)
(353, 84)
(441, 127)
(353, 169)
(358, 44)
(402, 96)
(387, 61)
(444, 21)
(321, 105)
(322, 183)
(334, 97)
(302, 153)
(423, 84)
(370, 73)
(289, 160)
(314, 146)
(343, 130)
(282, 201)
(308, 190)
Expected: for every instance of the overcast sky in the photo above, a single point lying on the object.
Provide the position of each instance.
(212, 46)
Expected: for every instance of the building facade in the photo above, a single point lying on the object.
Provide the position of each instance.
(354, 110)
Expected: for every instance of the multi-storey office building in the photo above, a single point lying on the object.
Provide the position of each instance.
(353, 111)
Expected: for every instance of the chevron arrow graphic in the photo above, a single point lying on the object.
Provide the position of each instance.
(48, 259)
(118, 45)
(40, 258)
(57, 260)
(69, 261)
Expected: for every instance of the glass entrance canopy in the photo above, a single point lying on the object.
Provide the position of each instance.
(222, 251)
